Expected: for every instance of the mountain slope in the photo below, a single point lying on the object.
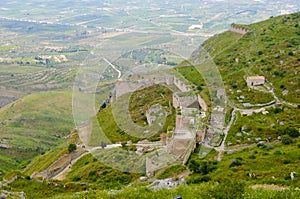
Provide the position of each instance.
(256, 149)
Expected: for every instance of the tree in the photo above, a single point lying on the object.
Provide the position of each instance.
(72, 147)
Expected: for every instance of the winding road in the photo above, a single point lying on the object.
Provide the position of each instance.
(114, 67)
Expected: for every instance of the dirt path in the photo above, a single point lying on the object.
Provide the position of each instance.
(221, 148)
(271, 187)
(114, 67)
(84, 132)
(62, 175)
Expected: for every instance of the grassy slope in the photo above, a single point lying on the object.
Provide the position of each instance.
(139, 102)
(265, 161)
(261, 53)
(263, 126)
(36, 123)
(204, 190)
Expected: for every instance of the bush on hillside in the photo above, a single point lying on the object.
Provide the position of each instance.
(286, 139)
(293, 132)
(228, 189)
(72, 147)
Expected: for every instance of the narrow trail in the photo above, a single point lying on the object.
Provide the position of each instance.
(222, 148)
(114, 67)
(62, 175)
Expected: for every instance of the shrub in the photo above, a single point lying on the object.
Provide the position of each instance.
(228, 189)
(234, 85)
(277, 153)
(276, 73)
(277, 110)
(202, 167)
(76, 179)
(293, 132)
(196, 178)
(72, 147)
(199, 88)
(236, 162)
(286, 139)
(286, 161)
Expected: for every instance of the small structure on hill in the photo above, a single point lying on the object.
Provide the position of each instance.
(255, 80)
(239, 29)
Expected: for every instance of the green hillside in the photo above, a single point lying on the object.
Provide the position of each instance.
(33, 125)
(262, 147)
(271, 50)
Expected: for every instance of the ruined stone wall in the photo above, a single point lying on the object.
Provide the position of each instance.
(237, 29)
(202, 103)
(184, 101)
(200, 135)
(150, 118)
(182, 86)
(123, 87)
(189, 149)
(176, 103)
(152, 110)
(184, 122)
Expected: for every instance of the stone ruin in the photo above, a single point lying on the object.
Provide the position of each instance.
(154, 112)
(123, 87)
(255, 80)
(188, 105)
(238, 29)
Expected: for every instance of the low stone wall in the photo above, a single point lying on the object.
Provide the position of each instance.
(237, 29)
(183, 101)
(123, 87)
(202, 103)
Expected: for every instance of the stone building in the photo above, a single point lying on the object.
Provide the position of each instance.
(255, 80)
